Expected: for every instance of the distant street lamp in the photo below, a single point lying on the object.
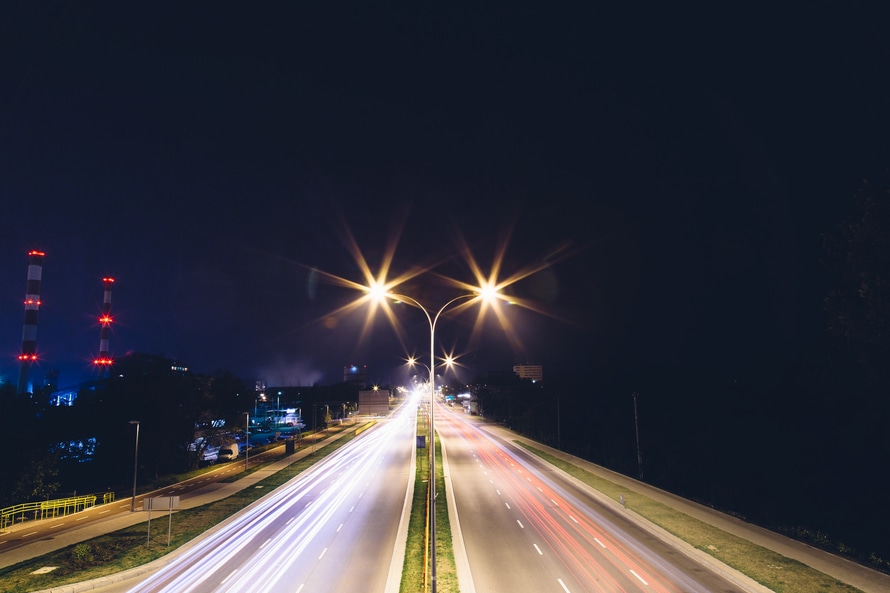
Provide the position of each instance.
(135, 465)
(637, 428)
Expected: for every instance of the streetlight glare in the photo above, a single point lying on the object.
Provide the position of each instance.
(378, 291)
(489, 292)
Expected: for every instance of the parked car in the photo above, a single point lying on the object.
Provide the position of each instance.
(228, 452)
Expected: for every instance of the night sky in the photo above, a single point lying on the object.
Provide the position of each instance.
(675, 166)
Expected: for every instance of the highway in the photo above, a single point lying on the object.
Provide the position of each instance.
(527, 528)
(519, 525)
(332, 528)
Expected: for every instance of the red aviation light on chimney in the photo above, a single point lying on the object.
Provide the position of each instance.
(102, 362)
(28, 357)
(35, 252)
(105, 319)
(107, 279)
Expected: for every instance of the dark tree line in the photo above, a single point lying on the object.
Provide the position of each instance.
(90, 447)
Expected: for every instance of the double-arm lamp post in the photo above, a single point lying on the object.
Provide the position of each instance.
(432, 319)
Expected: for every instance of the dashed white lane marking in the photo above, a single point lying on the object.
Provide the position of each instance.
(230, 576)
(639, 578)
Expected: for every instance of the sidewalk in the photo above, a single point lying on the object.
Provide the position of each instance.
(209, 493)
(856, 575)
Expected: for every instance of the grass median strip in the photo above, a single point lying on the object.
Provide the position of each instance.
(413, 569)
(127, 548)
(770, 569)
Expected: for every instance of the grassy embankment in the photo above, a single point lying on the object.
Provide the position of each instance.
(774, 571)
(127, 548)
(414, 578)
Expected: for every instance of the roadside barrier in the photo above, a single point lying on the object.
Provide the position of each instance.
(49, 509)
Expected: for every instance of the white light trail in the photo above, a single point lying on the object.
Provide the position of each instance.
(254, 550)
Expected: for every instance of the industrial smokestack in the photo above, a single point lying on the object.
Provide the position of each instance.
(32, 307)
(103, 361)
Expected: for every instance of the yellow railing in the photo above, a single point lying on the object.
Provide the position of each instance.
(48, 509)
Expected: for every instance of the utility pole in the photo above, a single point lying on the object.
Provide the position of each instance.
(637, 425)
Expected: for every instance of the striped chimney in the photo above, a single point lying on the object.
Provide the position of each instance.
(104, 358)
(32, 307)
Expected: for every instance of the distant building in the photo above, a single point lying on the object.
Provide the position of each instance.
(535, 372)
(355, 374)
(64, 397)
(373, 402)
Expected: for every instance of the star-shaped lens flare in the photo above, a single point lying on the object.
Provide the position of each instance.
(380, 292)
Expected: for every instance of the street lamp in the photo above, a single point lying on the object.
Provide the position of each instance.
(246, 439)
(432, 319)
(135, 465)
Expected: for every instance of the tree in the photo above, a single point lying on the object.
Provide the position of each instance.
(855, 389)
(37, 481)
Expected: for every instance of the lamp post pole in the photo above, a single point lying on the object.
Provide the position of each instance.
(637, 428)
(135, 465)
(432, 321)
(246, 439)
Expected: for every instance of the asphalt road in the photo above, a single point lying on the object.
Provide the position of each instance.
(517, 517)
(352, 501)
(863, 578)
(527, 529)
(335, 527)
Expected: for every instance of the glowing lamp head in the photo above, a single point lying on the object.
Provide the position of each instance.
(488, 292)
(377, 292)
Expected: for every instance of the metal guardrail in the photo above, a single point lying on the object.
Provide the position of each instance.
(49, 509)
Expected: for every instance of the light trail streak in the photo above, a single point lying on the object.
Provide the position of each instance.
(254, 550)
(590, 546)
